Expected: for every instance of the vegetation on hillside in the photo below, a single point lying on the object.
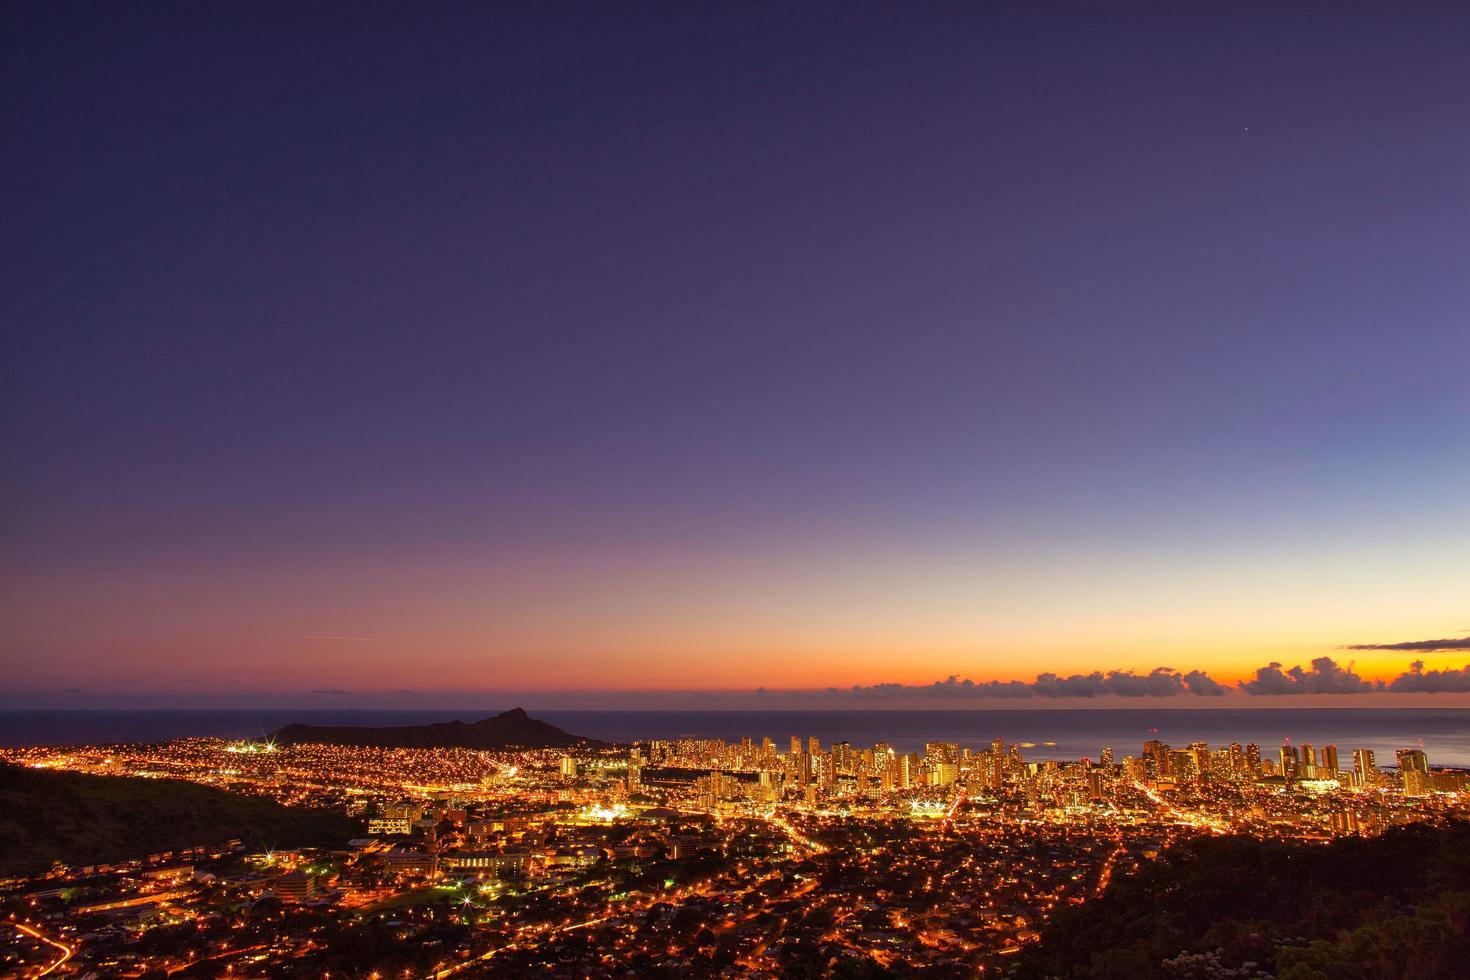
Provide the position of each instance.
(79, 819)
(1394, 906)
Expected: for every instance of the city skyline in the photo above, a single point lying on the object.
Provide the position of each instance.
(513, 846)
(674, 490)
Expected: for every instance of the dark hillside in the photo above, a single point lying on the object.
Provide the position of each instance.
(1392, 906)
(47, 815)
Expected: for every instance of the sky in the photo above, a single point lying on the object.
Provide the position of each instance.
(396, 352)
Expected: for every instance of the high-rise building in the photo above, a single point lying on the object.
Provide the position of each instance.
(943, 773)
(941, 752)
(1329, 761)
(1291, 761)
(1344, 823)
(842, 757)
(1236, 758)
(1365, 767)
(1309, 761)
(1253, 758)
(908, 770)
(796, 745)
(1413, 760)
(1156, 758)
(1014, 762)
(1199, 757)
(814, 745)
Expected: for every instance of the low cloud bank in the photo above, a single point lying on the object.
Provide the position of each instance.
(1325, 676)
(1159, 682)
(1420, 681)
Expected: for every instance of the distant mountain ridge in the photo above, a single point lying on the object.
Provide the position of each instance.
(513, 729)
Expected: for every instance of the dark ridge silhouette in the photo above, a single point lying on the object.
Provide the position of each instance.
(1395, 906)
(513, 729)
(79, 819)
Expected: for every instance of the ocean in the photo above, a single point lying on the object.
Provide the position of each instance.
(1444, 733)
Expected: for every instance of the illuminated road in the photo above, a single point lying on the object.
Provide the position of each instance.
(1183, 816)
(157, 898)
(67, 952)
(790, 830)
(541, 935)
(223, 954)
(1107, 870)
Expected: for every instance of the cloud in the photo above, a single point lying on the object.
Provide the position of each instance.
(328, 690)
(1463, 643)
(1417, 680)
(1202, 684)
(1326, 676)
(1160, 682)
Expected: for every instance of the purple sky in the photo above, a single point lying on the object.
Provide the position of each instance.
(727, 346)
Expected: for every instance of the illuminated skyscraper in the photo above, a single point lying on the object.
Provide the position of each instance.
(1366, 767)
(1416, 782)
(1156, 757)
(1329, 761)
(943, 773)
(1413, 760)
(1291, 761)
(1199, 757)
(842, 757)
(908, 770)
(1253, 758)
(941, 752)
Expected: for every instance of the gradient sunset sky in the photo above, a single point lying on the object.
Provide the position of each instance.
(369, 349)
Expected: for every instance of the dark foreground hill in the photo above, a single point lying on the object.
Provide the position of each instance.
(1396, 906)
(512, 730)
(47, 815)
